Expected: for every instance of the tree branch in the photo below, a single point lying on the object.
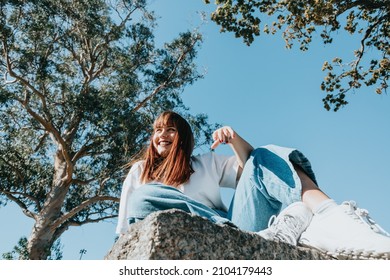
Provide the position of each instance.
(16, 76)
(6, 81)
(366, 36)
(371, 5)
(18, 173)
(80, 207)
(46, 124)
(26, 211)
(167, 81)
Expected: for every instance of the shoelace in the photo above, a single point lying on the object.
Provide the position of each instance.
(271, 220)
(282, 228)
(363, 216)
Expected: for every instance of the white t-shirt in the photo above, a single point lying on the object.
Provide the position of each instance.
(211, 171)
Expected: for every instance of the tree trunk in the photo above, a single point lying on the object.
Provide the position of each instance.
(43, 235)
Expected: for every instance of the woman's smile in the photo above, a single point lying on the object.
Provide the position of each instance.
(164, 143)
(163, 139)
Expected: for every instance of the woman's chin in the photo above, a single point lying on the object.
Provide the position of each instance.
(163, 153)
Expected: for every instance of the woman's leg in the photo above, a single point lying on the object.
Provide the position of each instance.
(150, 198)
(312, 196)
(338, 229)
(274, 177)
(268, 183)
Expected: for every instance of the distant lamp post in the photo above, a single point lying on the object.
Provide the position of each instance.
(82, 252)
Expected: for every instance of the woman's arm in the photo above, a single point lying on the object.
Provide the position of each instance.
(240, 147)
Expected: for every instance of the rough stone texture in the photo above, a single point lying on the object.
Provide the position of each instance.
(175, 234)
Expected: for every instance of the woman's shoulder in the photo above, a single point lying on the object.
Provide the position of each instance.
(136, 167)
(134, 173)
(138, 164)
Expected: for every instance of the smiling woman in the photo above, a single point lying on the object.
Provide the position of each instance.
(271, 183)
(168, 156)
(163, 138)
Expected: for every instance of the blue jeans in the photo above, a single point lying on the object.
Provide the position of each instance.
(268, 183)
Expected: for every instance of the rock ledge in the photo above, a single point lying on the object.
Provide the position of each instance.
(176, 235)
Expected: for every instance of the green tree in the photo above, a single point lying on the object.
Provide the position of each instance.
(299, 20)
(83, 80)
(20, 251)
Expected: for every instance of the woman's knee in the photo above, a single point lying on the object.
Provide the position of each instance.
(251, 165)
(149, 193)
(258, 156)
(256, 152)
(146, 199)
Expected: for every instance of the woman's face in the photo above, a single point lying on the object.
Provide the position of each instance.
(163, 138)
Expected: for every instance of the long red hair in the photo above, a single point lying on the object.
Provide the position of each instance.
(174, 169)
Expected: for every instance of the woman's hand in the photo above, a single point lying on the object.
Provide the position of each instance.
(240, 147)
(223, 135)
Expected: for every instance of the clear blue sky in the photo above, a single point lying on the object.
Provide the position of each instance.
(268, 95)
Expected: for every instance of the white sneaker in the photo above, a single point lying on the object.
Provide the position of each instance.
(289, 224)
(340, 232)
(363, 214)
